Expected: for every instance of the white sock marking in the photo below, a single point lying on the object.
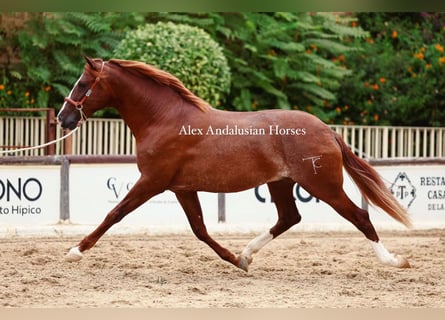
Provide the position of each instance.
(73, 255)
(256, 244)
(384, 255)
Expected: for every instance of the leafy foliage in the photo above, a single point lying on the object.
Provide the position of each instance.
(399, 79)
(279, 60)
(50, 47)
(322, 63)
(185, 51)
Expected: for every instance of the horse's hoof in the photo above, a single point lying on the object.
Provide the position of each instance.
(402, 262)
(244, 263)
(73, 255)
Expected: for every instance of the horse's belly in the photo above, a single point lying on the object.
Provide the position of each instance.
(235, 169)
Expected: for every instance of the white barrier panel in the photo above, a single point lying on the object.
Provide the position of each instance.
(29, 195)
(96, 189)
(421, 189)
(255, 206)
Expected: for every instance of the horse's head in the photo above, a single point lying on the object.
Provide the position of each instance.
(86, 97)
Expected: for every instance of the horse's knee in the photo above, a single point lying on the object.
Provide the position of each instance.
(200, 233)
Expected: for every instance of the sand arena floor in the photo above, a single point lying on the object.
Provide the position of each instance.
(299, 269)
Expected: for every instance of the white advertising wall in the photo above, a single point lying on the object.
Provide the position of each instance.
(96, 189)
(29, 195)
(421, 189)
(255, 207)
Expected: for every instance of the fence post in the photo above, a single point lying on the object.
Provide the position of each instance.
(50, 131)
(65, 189)
(221, 207)
(68, 145)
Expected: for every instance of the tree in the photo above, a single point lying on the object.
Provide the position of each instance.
(282, 59)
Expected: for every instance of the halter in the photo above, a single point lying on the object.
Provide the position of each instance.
(79, 104)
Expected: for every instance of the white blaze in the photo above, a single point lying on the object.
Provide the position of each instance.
(69, 96)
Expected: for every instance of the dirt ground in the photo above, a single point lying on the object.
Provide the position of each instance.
(308, 269)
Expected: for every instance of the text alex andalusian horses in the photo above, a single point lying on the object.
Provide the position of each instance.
(184, 145)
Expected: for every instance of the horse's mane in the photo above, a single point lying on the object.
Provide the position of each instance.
(163, 78)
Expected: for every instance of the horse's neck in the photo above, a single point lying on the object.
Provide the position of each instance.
(143, 104)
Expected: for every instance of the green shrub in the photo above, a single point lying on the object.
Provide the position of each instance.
(187, 52)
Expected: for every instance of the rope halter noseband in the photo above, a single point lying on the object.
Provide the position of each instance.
(79, 104)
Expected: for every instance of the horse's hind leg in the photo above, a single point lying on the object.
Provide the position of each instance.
(192, 208)
(288, 215)
(360, 218)
(331, 192)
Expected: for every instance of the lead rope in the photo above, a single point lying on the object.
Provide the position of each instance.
(41, 145)
(79, 107)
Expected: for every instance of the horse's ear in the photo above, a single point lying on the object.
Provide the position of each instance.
(90, 62)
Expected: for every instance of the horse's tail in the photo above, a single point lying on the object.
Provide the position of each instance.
(371, 184)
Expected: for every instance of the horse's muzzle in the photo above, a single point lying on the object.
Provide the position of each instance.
(70, 121)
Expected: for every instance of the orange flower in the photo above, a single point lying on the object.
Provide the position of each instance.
(394, 34)
(419, 56)
(439, 47)
(441, 60)
(366, 84)
(382, 80)
(47, 88)
(2, 87)
(27, 94)
(376, 117)
(341, 58)
(338, 109)
(354, 24)
(375, 87)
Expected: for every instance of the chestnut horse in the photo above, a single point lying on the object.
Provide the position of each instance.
(184, 145)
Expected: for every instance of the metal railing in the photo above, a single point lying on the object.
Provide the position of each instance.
(113, 137)
(27, 131)
(381, 142)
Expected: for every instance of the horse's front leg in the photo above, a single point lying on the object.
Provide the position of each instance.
(139, 193)
(190, 203)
